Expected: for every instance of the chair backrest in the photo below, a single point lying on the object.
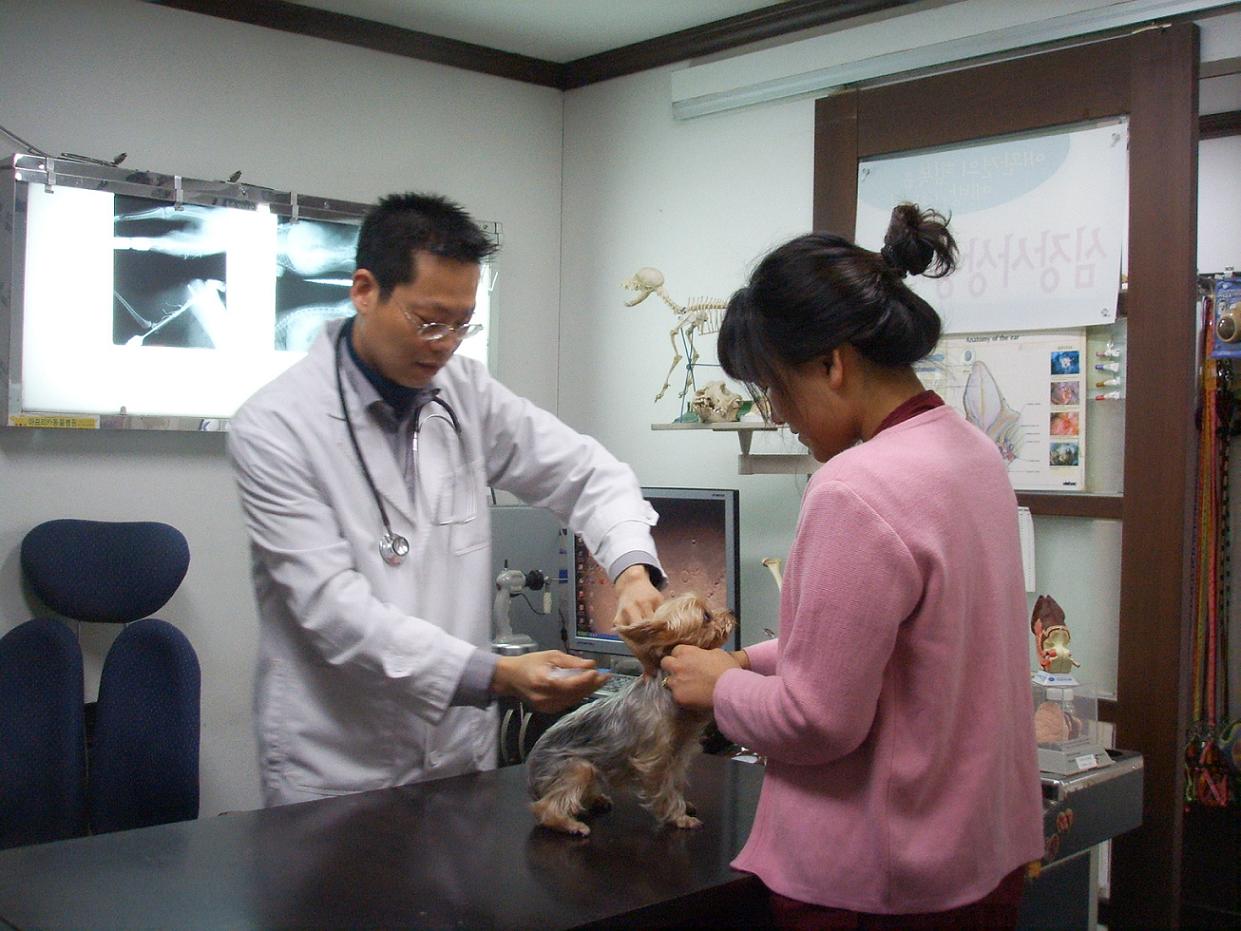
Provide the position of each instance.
(144, 762)
(143, 749)
(42, 741)
(106, 571)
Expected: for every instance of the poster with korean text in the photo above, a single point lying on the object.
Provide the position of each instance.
(1040, 222)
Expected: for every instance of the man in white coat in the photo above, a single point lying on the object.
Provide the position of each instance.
(363, 472)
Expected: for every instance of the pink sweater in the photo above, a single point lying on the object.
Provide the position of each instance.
(895, 709)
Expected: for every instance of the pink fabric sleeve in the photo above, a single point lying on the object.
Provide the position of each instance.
(763, 657)
(837, 635)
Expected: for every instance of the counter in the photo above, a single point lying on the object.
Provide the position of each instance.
(466, 852)
(460, 852)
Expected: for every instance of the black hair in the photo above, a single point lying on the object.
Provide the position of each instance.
(401, 224)
(818, 291)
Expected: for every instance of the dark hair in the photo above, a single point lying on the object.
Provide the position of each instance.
(819, 291)
(401, 224)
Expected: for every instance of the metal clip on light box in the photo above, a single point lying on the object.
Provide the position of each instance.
(509, 583)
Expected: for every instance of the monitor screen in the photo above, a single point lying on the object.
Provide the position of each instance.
(698, 539)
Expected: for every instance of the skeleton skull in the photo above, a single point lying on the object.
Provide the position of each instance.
(714, 403)
(645, 281)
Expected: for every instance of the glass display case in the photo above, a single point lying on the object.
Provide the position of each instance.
(1066, 725)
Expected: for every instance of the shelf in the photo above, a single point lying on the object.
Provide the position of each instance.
(756, 463)
(1070, 504)
(1041, 503)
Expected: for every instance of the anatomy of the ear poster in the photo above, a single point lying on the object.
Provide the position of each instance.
(1027, 392)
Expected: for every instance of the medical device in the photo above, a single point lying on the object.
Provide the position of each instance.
(699, 544)
(393, 547)
(509, 584)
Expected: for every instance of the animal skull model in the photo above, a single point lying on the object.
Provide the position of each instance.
(700, 315)
(714, 403)
(647, 281)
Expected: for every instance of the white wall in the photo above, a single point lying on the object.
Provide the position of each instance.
(701, 201)
(202, 97)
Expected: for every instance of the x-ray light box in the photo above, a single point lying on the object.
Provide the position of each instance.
(152, 301)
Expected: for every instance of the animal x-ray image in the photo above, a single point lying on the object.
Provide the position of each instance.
(314, 269)
(225, 278)
(169, 274)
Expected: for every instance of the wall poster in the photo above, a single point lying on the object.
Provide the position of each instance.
(1040, 221)
(1027, 392)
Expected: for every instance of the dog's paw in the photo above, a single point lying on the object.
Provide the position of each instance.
(567, 826)
(687, 822)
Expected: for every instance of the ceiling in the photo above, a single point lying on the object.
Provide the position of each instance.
(556, 43)
(553, 30)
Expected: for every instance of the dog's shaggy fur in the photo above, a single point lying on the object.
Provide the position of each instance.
(638, 737)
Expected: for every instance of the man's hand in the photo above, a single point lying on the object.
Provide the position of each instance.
(550, 681)
(692, 673)
(636, 597)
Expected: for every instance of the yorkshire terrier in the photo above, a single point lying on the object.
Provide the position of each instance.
(638, 737)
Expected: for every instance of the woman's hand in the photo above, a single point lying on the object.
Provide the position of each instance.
(692, 673)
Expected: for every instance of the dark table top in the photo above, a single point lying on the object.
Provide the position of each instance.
(460, 852)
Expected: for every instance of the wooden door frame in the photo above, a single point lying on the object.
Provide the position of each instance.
(1152, 77)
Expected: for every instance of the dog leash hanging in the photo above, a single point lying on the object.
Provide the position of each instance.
(1208, 779)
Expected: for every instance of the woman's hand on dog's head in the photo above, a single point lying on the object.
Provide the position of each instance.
(549, 681)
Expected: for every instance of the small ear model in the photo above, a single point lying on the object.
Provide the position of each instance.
(1227, 326)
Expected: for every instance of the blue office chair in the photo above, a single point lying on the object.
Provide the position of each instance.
(42, 735)
(143, 744)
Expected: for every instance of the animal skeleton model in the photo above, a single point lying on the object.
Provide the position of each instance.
(776, 568)
(714, 403)
(700, 315)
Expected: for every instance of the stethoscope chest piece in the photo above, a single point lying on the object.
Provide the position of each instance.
(393, 548)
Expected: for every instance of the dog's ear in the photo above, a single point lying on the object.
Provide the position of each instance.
(640, 629)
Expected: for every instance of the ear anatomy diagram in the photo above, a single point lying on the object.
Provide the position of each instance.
(700, 315)
(986, 409)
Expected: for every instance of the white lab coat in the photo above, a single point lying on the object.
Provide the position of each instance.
(358, 660)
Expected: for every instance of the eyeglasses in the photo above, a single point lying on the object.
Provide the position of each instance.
(434, 332)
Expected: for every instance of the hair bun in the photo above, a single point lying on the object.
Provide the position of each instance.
(918, 240)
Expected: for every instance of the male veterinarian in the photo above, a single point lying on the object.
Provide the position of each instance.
(363, 472)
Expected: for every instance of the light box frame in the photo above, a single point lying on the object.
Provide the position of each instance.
(22, 174)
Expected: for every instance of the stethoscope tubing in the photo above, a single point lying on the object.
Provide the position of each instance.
(393, 548)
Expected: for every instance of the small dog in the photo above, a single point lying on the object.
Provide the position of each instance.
(638, 737)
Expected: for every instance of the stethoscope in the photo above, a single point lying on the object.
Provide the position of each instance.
(393, 547)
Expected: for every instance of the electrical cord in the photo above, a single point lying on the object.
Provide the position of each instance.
(564, 627)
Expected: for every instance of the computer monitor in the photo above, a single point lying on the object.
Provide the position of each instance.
(699, 542)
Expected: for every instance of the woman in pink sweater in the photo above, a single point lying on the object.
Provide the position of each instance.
(894, 709)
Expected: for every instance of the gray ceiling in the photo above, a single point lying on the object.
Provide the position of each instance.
(552, 30)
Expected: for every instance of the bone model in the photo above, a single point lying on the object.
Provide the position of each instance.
(700, 315)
